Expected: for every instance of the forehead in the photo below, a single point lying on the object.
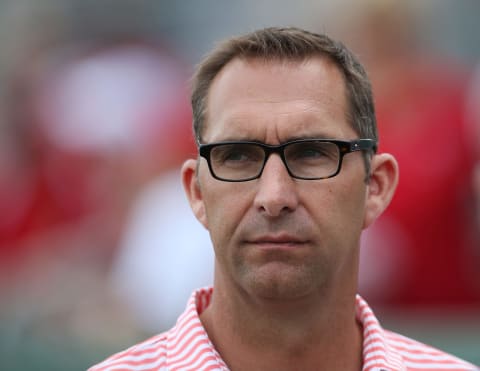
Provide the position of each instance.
(276, 101)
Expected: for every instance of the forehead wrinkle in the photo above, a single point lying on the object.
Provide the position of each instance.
(292, 107)
(298, 113)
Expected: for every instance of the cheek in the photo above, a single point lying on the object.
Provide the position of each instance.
(350, 209)
(340, 207)
(225, 206)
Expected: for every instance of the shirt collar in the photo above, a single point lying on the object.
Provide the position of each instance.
(378, 355)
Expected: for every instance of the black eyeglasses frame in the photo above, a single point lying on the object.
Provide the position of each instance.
(344, 147)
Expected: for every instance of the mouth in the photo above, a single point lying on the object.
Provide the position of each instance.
(275, 242)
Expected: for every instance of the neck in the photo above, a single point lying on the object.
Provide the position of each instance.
(318, 332)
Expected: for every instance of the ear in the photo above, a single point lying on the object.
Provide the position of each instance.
(380, 187)
(193, 191)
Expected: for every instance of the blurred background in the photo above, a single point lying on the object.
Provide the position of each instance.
(98, 248)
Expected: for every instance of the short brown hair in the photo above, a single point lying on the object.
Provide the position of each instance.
(288, 44)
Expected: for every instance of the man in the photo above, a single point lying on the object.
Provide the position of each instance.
(286, 180)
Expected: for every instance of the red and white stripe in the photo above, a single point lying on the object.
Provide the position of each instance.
(186, 347)
(385, 350)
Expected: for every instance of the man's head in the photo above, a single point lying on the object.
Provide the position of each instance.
(291, 226)
(288, 44)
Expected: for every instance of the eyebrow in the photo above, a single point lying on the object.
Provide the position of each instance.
(302, 133)
(287, 140)
(316, 136)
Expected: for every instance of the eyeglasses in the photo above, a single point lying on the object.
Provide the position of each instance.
(240, 161)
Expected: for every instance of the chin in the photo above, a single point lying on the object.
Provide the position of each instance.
(285, 282)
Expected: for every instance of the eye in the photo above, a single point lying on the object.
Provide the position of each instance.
(312, 151)
(309, 152)
(233, 154)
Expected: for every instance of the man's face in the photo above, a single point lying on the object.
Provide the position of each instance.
(276, 236)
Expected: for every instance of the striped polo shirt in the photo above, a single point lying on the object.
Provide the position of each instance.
(186, 347)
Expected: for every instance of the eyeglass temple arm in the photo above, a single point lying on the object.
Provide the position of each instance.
(363, 145)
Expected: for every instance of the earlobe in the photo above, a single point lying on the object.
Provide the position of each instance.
(381, 186)
(193, 191)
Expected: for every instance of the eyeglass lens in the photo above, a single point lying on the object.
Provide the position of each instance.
(311, 159)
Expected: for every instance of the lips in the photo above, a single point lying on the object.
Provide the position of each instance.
(277, 241)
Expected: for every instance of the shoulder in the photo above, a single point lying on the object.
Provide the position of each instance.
(148, 354)
(419, 356)
(184, 346)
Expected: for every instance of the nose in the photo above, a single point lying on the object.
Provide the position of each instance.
(277, 193)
